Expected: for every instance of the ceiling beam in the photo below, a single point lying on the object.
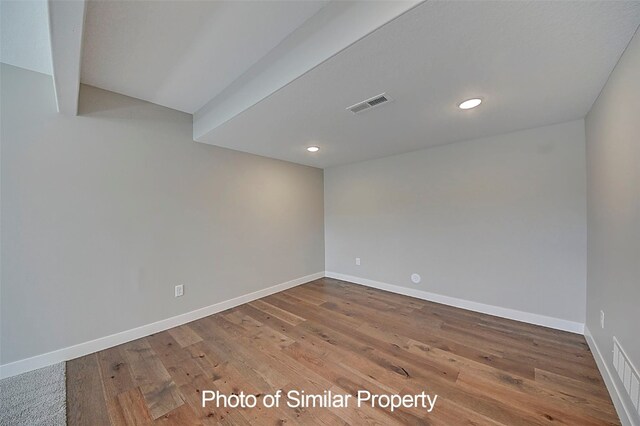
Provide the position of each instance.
(66, 23)
(334, 28)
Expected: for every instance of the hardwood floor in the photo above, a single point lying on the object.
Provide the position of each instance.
(333, 335)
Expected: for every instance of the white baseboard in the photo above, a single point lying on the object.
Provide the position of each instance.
(557, 323)
(624, 411)
(81, 349)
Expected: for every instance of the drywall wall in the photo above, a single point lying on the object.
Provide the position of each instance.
(104, 213)
(613, 212)
(499, 221)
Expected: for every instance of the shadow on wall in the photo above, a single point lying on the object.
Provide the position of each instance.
(116, 106)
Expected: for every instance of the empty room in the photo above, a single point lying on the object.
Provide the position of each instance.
(331, 212)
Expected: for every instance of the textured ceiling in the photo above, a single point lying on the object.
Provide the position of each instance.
(533, 63)
(180, 54)
(24, 35)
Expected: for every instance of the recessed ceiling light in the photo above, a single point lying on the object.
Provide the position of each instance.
(470, 103)
(313, 149)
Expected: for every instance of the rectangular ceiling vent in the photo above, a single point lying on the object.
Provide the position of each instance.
(369, 103)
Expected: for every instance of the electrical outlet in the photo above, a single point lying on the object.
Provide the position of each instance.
(179, 290)
(602, 319)
(357, 261)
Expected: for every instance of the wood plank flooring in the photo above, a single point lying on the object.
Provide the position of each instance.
(333, 335)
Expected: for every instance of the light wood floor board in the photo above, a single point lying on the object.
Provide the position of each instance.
(338, 336)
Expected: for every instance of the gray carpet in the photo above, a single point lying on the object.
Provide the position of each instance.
(38, 397)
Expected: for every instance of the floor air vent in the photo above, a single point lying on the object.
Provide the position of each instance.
(627, 373)
(369, 103)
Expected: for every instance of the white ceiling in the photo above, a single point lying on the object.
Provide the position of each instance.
(272, 77)
(24, 35)
(534, 63)
(180, 54)
(338, 25)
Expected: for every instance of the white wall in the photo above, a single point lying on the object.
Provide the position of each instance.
(104, 213)
(613, 213)
(499, 221)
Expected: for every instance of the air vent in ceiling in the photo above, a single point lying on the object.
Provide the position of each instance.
(369, 103)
